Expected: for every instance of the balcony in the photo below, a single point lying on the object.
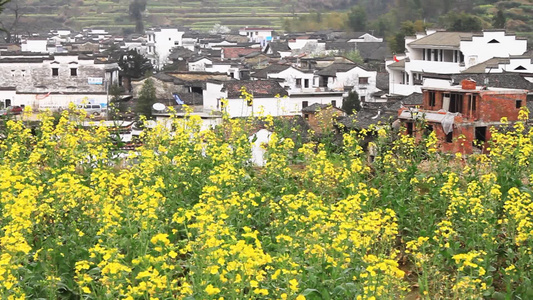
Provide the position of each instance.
(439, 67)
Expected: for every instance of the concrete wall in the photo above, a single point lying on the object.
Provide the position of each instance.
(31, 77)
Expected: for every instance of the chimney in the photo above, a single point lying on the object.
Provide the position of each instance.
(468, 84)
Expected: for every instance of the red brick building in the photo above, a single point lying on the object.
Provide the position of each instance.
(462, 116)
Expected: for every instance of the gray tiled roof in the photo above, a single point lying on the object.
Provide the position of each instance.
(442, 38)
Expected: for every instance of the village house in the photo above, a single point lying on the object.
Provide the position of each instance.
(322, 117)
(441, 52)
(159, 43)
(349, 76)
(462, 116)
(257, 34)
(293, 79)
(41, 80)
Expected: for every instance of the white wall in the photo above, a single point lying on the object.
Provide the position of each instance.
(479, 49)
(199, 65)
(290, 77)
(34, 46)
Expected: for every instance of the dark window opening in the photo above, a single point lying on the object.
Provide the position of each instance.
(363, 98)
(456, 103)
(298, 82)
(409, 128)
(306, 83)
(73, 72)
(363, 80)
(423, 54)
(306, 116)
(518, 103)
(494, 41)
(305, 104)
(55, 71)
(461, 57)
(480, 136)
(449, 137)
(520, 68)
(432, 99)
(334, 103)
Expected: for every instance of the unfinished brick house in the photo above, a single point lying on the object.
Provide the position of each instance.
(462, 116)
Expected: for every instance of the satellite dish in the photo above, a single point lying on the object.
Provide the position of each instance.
(159, 106)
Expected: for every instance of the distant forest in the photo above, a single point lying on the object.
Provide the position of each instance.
(392, 19)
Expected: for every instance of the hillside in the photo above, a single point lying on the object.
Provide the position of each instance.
(114, 15)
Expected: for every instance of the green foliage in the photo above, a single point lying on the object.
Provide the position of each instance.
(133, 64)
(354, 56)
(147, 98)
(462, 22)
(498, 21)
(357, 18)
(352, 103)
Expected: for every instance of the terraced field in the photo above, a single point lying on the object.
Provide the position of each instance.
(199, 15)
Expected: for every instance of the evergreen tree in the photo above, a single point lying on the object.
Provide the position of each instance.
(351, 104)
(147, 98)
(498, 21)
(357, 18)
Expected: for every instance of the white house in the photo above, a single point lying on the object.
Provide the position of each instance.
(441, 52)
(257, 34)
(293, 79)
(269, 98)
(160, 42)
(42, 79)
(348, 76)
(515, 64)
(366, 38)
(199, 64)
(34, 44)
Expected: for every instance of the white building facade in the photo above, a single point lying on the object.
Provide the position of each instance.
(159, 43)
(441, 52)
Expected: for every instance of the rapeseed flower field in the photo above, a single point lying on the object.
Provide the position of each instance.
(189, 217)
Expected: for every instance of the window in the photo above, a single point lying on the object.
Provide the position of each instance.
(363, 80)
(494, 41)
(431, 101)
(73, 72)
(334, 103)
(363, 98)
(306, 83)
(520, 68)
(298, 82)
(55, 71)
(423, 54)
(306, 116)
(305, 104)
(449, 137)
(456, 103)
(518, 103)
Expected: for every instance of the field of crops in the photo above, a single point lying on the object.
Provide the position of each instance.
(190, 217)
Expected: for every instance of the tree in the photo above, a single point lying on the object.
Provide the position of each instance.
(351, 104)
(498, 21)
(147, 98)
(137, 7)
(133, 64)
(357, 18)
(9, 28)
(462, 22)
(354, 56)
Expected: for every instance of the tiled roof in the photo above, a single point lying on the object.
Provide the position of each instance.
(480, 68)
(334, 68)
(271, 69)
(234, 52)
(398, 64)
(498, 80)
(259, 88)
(442, 38)
(412, 100)
(373, 50)
(313, 108)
